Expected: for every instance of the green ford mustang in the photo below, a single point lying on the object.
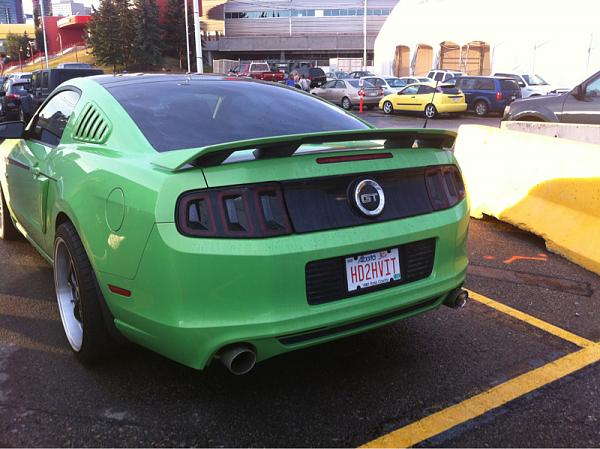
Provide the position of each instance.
(209, 218)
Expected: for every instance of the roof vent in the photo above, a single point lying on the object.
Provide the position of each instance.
(93, 126)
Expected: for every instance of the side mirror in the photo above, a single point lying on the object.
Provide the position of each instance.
(12, 130)
(578, 92)
(521, 84)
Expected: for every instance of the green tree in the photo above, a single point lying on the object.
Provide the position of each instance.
(174, 28)
(125, 19)
(147, 42)
(103, 35)
(16, 45)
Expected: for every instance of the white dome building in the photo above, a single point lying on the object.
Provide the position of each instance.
(559, 41)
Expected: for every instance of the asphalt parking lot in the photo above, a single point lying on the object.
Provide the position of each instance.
(516, 367)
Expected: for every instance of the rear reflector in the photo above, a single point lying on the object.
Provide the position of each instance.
(119, 290)
(354, 157)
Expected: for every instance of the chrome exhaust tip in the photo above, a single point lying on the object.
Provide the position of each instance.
(457, 298)
(238, 359)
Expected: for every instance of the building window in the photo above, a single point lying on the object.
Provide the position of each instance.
(306, 13)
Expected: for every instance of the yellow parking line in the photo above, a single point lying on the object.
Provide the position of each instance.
(547, 327)
(471, 408)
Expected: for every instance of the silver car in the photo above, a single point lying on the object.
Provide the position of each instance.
(392, 84)
(346, 93)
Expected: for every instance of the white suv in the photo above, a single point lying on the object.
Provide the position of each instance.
(444, 75)
(531, 85)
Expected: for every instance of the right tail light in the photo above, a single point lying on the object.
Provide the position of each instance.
(445, 186)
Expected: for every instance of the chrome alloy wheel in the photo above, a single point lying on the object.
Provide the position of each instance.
(68, 294)
(430, 111)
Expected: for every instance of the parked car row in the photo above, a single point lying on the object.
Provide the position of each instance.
(22, 93)
(480, 94)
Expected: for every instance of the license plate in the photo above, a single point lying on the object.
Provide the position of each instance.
(456, 100)
(372, 94)
(372, 269)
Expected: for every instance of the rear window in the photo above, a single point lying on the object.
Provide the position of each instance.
(450, 90)
(509, 85)
(19, 89)
(316, 72)
(196, 113)
(395, 82)
(356, 84)
(260, 68)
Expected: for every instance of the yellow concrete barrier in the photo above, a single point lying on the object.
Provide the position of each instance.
(545, 185)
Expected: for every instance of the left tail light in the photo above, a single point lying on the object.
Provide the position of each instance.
(238, 212)
(445, 186)
(499, 96)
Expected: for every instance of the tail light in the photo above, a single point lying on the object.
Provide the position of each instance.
(361, 93)
(12, 97)
(239, 212)
(445, 186)
(381, 92)
(499, 96)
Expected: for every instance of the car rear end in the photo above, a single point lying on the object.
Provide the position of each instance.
(278, 242)
(370, 94)
(11, 102)
(316, 76)
(451, 100)
(507, 91)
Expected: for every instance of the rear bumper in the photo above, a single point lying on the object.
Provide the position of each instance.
(193, 296)
(447, 108)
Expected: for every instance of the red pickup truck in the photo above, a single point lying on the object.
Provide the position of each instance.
(256, 70)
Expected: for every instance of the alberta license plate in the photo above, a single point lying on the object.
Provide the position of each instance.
(372, 94)
(372, 269)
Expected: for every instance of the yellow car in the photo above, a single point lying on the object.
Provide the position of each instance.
(420, 98)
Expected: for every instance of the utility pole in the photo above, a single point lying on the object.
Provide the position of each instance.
(198, 38)
(187, 35)
(44, 32)
(290, 17)
(365, 36)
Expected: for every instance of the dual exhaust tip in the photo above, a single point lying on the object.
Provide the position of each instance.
(240, 359)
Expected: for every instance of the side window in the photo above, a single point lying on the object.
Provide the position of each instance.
(593, 89)
(52, 119)
(430, 75)
(467, 83)
(485, 84)
(425, 90)
(410, 90)
(438, 76)
(340, 85)
(45, 80)
(329, 84)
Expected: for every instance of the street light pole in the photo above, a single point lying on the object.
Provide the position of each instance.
(44, 32)
(198, 38)
(365, 36)
(187, 35)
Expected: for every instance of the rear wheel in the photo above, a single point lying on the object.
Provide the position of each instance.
(8, 231)
(78, 297)
(346, 103)
(481, 108)
(430, 111)
(388, 108)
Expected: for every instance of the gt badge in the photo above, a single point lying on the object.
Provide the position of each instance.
(368, 197)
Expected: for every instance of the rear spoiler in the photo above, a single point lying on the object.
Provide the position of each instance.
(284, 146)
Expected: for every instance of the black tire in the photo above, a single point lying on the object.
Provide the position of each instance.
(388, 108)
(95, 342)
(8, 231)
(368, 107)
(346, 103)
(430, 111)
(481, 108)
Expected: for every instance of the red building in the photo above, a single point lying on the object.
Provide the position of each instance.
(64, 32)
